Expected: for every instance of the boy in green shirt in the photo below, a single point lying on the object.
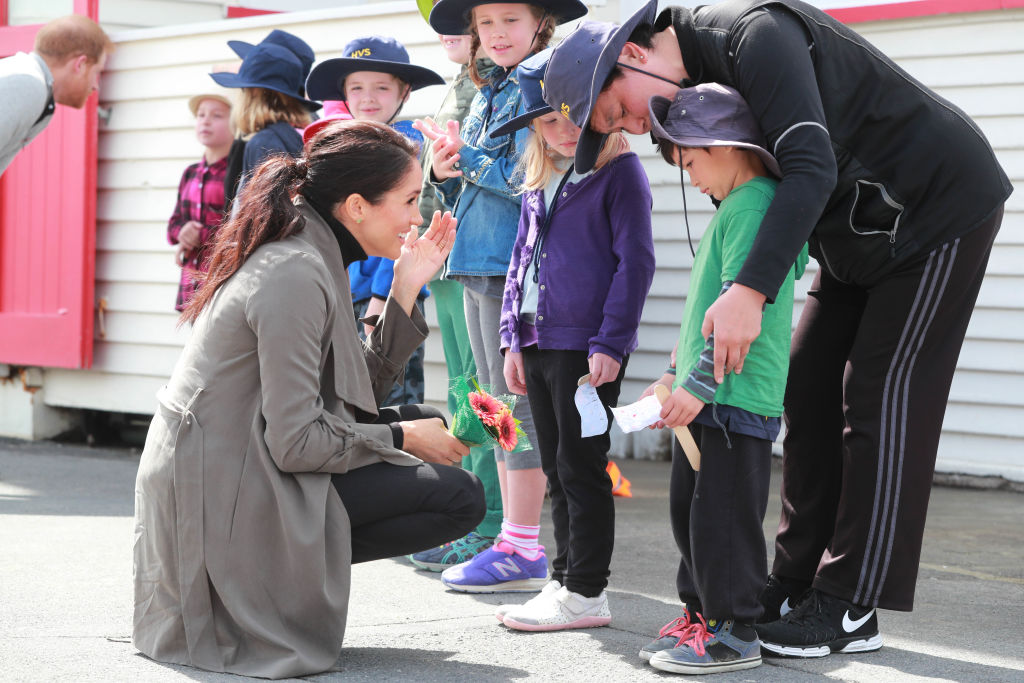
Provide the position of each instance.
(717, 514)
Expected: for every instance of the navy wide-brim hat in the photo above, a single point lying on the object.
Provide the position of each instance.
(297, 46)
(268, 66)
(451, 17)
(531, 84)
(709, 115)
(376, 53)
(578, 69)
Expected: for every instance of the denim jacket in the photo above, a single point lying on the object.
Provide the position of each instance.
(485, 197)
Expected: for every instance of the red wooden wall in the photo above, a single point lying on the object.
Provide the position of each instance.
(48, 232)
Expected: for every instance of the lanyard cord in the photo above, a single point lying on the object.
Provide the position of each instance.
(686, 216)
(543, 232)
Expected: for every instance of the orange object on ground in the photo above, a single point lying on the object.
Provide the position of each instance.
(620, 485)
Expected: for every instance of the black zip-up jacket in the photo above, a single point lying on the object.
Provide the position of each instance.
(876, 167)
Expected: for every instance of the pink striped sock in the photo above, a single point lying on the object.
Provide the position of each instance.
(523, 539)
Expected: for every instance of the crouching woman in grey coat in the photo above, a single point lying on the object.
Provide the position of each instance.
(269, 468)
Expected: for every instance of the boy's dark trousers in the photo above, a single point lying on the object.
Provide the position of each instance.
(869, 378)
(582, 507)
(717, 516)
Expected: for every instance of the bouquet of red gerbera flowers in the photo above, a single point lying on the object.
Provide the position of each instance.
(482, 419)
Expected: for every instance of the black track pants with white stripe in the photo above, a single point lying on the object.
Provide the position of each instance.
(869, 379)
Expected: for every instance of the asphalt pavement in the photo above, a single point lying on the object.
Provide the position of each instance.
(66, 594)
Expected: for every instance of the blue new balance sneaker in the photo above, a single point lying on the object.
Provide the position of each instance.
(450, 554)
(499, 569)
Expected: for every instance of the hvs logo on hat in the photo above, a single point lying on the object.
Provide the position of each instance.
(365, 52)
(565, 110)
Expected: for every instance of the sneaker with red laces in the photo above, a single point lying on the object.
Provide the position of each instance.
(712, 646)
(499, 569)
(670, 635)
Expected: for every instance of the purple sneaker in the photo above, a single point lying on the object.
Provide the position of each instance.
(499, 569)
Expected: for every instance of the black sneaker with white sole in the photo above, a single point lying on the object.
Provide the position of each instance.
(779, 596)
(820, 625)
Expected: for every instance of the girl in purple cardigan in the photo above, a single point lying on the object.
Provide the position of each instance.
(581, 268)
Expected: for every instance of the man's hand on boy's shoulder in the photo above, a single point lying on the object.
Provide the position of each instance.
(735, 320)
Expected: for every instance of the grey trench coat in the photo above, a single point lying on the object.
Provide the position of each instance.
(242, 546)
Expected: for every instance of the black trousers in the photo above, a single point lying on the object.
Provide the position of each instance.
(869, 379)
(396, 509)
(717, 516)
(582, 507)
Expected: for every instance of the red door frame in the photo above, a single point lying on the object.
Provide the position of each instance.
(48, 221)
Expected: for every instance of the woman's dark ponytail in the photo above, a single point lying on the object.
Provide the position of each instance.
(346, 157)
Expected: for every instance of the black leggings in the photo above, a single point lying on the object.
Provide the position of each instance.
(397, 509)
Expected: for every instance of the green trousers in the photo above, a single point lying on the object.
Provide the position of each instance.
(458, 356)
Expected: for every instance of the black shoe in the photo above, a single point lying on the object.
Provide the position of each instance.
(779, 596)
(819, 625)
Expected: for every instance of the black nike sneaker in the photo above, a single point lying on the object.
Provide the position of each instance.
(779, 596)
(819, 625)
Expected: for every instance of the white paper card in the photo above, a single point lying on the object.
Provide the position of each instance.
(636, 416)
(593, 417)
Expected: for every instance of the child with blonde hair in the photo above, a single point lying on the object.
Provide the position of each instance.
(474, 175)
(581, 269)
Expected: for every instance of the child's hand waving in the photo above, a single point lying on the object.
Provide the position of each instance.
(447, 144)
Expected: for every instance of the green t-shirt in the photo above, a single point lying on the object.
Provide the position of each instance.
(722, 252)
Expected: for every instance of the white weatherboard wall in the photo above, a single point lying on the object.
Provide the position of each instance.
(148, 141)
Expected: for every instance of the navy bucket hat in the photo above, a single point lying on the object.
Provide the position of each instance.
(297, 46)
(451, 17)
(375, 53)
(531, 84)
(271, 67)
(709, 115)
(578, 69)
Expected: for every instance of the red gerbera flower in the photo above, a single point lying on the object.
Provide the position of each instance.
(507, 436)
(486, 407)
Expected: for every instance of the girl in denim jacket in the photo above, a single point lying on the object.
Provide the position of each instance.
(474, 175)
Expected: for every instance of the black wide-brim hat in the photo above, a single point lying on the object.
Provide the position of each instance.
(578, 68)
(383, 55)
(451, 17)
(709, 115)
(271, 67)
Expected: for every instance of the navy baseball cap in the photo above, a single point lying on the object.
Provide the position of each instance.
(709, 115)
(578, 68)
(451, 17)
(268, 66)
(531, 84)
(297, 46)
(374, 53)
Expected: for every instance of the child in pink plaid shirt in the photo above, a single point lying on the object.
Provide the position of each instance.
(200, 206)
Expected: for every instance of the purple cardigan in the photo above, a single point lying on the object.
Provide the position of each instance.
(596, 266)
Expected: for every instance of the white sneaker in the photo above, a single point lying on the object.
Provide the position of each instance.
(567, 610)
(546, 594)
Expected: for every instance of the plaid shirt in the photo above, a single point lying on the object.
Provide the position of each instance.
(200, 198)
